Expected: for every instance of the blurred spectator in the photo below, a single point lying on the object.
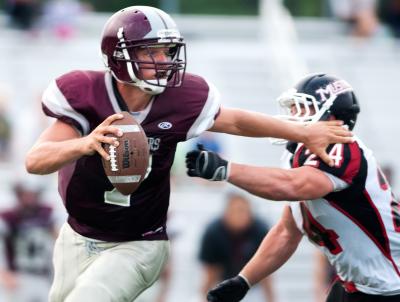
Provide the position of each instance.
(390, 12)
(23, 13)
(359, 14)
(27, 236)
(229, 242)
(210, 142)
(60, 16)
(5, 135)
(5, 127)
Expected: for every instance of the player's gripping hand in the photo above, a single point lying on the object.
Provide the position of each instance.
(206, 164)
(230, 290)
(94, 141)
(321, 134)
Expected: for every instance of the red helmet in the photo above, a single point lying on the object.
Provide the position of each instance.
(143, 27)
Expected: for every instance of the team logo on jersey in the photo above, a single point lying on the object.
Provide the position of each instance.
(165, 125)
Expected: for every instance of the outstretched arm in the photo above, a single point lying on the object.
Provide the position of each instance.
(316, 137)
(303, 183)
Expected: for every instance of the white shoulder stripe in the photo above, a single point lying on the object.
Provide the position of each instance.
(206, 118)
(56, 102)
(110, 91)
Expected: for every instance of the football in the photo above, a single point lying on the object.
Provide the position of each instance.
(128, 162)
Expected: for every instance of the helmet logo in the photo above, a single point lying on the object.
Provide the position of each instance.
(333, 90)
(165, 125)
(168, 33)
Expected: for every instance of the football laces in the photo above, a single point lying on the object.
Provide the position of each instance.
(113, 158)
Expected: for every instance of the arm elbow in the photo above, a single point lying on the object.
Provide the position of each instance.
(32, 166)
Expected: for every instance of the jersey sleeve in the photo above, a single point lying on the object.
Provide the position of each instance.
(208, 114)
(347, 163)
(61, 98)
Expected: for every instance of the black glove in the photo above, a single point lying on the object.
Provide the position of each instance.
(231, 290)
(206, 164)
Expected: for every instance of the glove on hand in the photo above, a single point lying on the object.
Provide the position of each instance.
(231, 290)
(206, 164)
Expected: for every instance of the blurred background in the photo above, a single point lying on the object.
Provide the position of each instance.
(252, 50)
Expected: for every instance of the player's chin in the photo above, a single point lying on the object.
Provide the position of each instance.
(156, 77)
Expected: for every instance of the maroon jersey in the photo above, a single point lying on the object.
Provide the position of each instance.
(84, 99)
(28, 235)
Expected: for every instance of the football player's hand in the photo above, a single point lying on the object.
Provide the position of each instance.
(231, 290)
(206, 164)
(321, 134)
(102, 134)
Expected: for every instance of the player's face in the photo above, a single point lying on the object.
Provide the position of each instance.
(154, 55)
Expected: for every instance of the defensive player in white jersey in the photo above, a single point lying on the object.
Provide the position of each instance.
(348, 210)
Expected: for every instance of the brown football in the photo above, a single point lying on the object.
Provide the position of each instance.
(129, 161)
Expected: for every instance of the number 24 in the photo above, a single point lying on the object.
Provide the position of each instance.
(336, 154)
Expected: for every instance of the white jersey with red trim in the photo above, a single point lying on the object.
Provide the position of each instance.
(358, 225)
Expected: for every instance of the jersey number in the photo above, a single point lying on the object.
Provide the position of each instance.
(116, 198)
(336, 154)
(319, 235)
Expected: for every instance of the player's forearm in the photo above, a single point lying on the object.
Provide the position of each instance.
(269, 183)
(276, 248)
(254, 124)
(48, 157)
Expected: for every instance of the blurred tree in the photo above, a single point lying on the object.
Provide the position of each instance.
(115, 5)
(313, 8)
(222, 7)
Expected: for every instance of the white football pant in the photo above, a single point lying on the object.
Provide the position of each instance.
(92, 270)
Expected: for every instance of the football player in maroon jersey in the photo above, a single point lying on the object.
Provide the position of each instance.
(27, 234)
(114, 247)
(347, 210)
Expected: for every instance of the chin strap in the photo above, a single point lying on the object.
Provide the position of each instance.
(150, 88)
